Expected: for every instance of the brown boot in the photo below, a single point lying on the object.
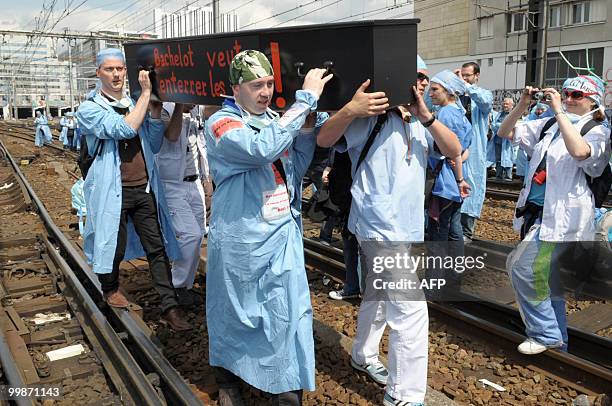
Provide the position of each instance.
(116, 299)
(176, 320)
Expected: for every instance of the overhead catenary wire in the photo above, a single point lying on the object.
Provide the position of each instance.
(45, 13)
(309, 12)
(280, 13)
(375, 11)
(240, 6)
(106, 21)
(37, 35)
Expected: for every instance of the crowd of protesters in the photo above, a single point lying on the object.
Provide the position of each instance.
(419, 173)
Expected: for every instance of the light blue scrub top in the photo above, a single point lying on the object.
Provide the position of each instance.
(388, 188)
(538, 192)
(453, 117)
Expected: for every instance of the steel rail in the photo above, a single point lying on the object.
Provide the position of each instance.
(150, 357)
(128, 378)
(11, 371)
(502, 194)
(598, 375)
(26, 137)
(123, 370)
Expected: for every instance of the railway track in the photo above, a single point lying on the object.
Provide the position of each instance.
(586, 367)
(506, 194)
(501, 194)
(325, 307)
(44, 271)
(25, 132)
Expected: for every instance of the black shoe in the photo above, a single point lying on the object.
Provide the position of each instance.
(188, 297)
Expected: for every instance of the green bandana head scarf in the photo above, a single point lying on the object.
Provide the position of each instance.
(249, 65)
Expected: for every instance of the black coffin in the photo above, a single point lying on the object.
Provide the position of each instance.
(195, 69)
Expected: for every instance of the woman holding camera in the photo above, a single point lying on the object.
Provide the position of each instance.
(556, 205)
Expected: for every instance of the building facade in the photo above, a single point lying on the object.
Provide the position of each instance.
(32, 77)
(497, 39)
(190, 21)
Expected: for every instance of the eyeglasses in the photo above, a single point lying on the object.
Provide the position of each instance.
(577, 94)
(110, 69)
(422, 76)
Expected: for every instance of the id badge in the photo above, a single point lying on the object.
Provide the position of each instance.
(275, 203)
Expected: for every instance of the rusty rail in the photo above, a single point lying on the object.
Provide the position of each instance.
(149, 357)
(501, 321)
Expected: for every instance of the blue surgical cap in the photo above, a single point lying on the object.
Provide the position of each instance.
(541, 106)
(108, 53)
(538, 106)
(450, 81)
(421, 66)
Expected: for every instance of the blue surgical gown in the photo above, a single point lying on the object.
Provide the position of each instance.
(258, 308)
(43, 132)
(102, 188)
(482, 103)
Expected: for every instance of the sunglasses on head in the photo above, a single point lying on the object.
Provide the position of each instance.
(577, 94)
(422, 76)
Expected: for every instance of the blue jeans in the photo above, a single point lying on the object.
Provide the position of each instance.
(446, 236)
(468, 223)
(448, 227)
(351, 262)
(535, 278)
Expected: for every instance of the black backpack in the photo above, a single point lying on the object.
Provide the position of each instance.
(341, 177)
(84, 161)
(600, 185)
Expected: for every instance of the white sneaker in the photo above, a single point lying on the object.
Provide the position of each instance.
(532, 347)
(376, 371)
(340, 295)
(389, 400)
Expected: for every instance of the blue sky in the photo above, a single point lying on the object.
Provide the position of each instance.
(134, 15)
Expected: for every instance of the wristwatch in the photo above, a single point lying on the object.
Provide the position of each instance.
(429, 122)
(460, 180)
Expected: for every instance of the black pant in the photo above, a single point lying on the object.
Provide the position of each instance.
(225, 380)
(141, 207)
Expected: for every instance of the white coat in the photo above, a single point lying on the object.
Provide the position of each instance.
(568, 203)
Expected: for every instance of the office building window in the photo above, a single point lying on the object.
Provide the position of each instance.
(486, 27)
(581, 12)
(517, 22)
(555, 17)
(557, 70)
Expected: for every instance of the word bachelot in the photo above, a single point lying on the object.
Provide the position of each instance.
(170, 59)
